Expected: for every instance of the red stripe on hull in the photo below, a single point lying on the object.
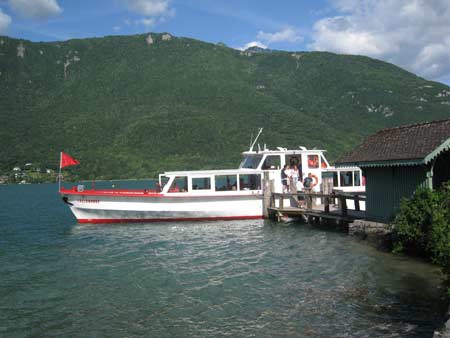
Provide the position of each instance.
(148, 220)
(141, 193)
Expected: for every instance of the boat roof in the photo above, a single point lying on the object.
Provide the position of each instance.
(212, 172)
(284, 151)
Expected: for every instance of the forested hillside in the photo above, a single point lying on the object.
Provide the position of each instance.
(132, 106)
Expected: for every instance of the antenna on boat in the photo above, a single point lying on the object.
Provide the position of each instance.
(256, 139)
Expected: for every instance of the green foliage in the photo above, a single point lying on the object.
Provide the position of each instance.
(422, 225)
(414, 221)
(129, 109)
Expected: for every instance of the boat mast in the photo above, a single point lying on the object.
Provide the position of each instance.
(256, 139)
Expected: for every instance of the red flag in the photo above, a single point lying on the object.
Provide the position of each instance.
(67, 160)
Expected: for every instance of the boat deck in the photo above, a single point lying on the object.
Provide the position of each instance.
(327, 210)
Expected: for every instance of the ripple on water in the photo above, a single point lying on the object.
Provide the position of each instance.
(248, 278)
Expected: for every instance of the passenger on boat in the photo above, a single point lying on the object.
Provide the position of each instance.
(293, 178)
(284, 178)
(308, 183)
(158, 187)
(301, 198)
(300, 172)
(174, 188)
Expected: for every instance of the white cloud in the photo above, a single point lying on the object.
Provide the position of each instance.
(253, 44)
(414, 34)
(36, 9)
(5, 21)
(153, 11)
(147, 22)
(263, 39)
(149, 7)
(288, 34)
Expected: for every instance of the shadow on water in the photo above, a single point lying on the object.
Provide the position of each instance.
(235, 278)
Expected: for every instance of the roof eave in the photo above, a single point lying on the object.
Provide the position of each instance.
(436, 152)
(386, 163)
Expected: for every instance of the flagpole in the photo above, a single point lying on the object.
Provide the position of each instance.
(59, 174)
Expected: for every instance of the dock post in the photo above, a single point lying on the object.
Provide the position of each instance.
(327, 204)
(343, 205)
(268, 188)
(357, 208)
(308, 198)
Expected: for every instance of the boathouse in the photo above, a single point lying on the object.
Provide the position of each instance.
(396, 161)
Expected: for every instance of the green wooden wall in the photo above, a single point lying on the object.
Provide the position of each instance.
(385, 186)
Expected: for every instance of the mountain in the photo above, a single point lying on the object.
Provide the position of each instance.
(132, 106)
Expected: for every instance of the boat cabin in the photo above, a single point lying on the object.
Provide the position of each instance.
(277, 159)
(249, 175)
(212, 181)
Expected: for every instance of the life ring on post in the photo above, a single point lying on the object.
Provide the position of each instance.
(316, 180)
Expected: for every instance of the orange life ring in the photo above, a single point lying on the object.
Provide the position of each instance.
(316, 180)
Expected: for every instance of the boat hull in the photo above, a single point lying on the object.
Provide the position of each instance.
(118, 209)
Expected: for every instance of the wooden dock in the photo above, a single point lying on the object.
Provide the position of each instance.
(316, 207)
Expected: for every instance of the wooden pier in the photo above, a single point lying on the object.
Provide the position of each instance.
(316, 207)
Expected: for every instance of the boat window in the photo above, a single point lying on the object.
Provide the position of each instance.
(346, 178)
(335, 180)
(313, 161)
(272, 162)
(251, 161)
(226, 182)
(293, 160)
(250, 182)
(162, 182)
(201, 183)
(179, 184)
(323, 163)
(357, 178)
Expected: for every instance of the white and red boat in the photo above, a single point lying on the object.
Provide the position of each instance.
(200, 195)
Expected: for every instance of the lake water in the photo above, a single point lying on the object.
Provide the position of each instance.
(207, 279)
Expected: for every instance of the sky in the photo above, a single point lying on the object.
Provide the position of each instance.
(412, 34)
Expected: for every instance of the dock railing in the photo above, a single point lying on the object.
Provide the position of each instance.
(336, 202)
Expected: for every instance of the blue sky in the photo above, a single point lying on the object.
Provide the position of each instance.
(413, 34)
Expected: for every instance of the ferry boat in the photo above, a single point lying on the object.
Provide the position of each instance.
(203, 195)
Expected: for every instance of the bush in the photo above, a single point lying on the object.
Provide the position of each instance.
(414, 221)
(422, 226)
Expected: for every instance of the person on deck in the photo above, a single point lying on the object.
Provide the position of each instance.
(284, 178)
(300, 198)
(308, 183)
(293, 179)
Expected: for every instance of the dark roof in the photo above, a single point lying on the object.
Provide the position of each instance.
(406, 145)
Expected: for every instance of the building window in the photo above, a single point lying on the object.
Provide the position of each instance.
(250, 182)
(226, 182)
